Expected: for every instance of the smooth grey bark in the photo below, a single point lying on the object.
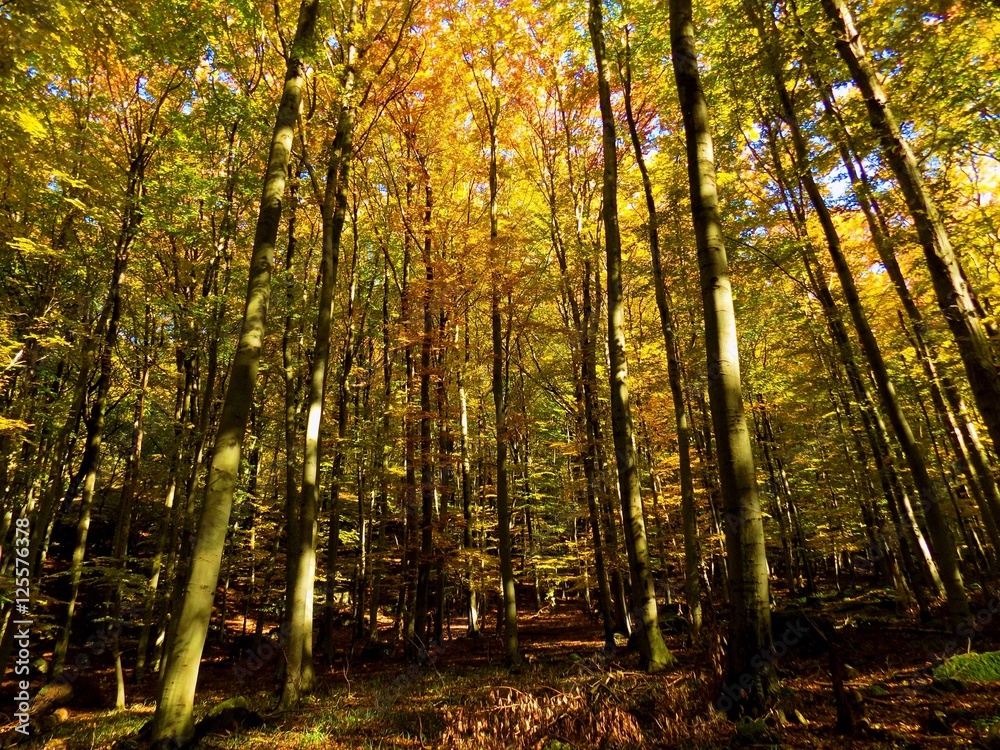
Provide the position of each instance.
(385, 450)
(956, 299)
(446, 474)
(749, 600)
(591, 468)
(647, 633)
(174, 721)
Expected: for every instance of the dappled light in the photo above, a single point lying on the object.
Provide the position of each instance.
(499, 374)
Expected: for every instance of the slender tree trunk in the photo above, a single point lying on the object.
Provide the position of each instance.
(446, 450)
(132, 218)
(777, 508)
(590, 469)
(647, 634)
(299, 673)
(499, 386)
(291, 377)
(166, 521)
(125, 512)
(692, 552)
(90, 465)
(467, 509)
(337, 473)
(955, 297)
(944, 543)
(174, 720)
(908, 532)
(426, 459)
(410, 558)
(386, 448)
(750, 620)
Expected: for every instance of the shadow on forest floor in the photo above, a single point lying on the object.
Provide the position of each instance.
(571, 694)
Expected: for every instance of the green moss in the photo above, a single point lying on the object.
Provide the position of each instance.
(753, 731)
(987, 723)
(972, 667)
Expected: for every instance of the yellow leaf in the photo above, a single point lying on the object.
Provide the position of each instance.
(31, 125)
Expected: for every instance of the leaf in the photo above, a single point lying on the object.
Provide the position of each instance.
(12, 426)
(29, 247)
(31, 125)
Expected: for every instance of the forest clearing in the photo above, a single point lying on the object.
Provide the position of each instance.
(538, 374)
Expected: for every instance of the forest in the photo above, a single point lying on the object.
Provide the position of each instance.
(542, 374)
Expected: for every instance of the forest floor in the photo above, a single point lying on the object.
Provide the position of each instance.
(571, 694)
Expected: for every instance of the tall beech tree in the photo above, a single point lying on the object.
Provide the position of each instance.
(692, 555)
(174, 720)
(647, 628)
(299, 673)
(749, 606)
(930, 499)
(956, 298)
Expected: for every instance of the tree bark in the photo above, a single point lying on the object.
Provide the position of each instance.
(689, 518)
(647, 633)
(750, 618)
(944, 543)
(955, 296)
(174, 711)
(299, 673)
(499, 386)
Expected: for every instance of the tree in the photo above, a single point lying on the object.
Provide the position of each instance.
(174, 721)
(648, 636)
(749, 606)
(956, 298)
(299, 669)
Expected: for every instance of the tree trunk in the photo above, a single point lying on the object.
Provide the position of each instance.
(955, 297)
(291, 377)
(467, 509)
(647, 633)
(909, 534)
(299, 673)
(132, 218)
(692, 551)
(750, 618)
(426, 460)
(499, 387)
(944, 543)
(174, 720)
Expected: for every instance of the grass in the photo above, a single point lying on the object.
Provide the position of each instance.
(105, 728)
